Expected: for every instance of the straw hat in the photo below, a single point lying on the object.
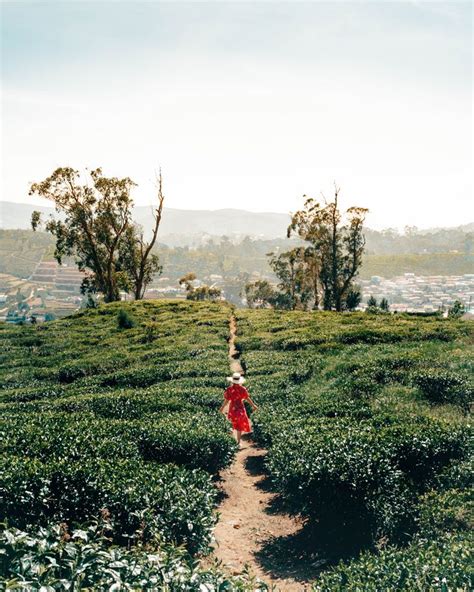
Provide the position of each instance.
(236, 378)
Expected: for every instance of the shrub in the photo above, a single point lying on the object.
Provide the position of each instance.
(124, 320)
(439, 566)
(191, 440)
(449, 511)
(143, 500)
(196, 440)
(56, 558)
(444, 387)
(361, 478)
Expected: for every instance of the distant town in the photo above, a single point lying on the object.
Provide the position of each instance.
(53, 291)
(412, 293)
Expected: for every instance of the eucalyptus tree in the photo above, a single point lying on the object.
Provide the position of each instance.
(95, 227)
(337, 242)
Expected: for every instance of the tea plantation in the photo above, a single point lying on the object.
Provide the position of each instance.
(111, 441)
(366, 422)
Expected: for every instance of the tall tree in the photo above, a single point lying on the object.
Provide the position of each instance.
(288, 268)
(338, 244)
(96, 229)
(96, 216)
(136, 258)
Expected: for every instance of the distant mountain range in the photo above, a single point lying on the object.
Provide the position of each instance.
(190, 227)
(176, 224)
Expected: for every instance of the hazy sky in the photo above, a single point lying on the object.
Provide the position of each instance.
(247, 104)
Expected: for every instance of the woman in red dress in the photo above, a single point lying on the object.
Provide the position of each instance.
(234, 396)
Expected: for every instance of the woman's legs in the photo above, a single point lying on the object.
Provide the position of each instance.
(238, 435)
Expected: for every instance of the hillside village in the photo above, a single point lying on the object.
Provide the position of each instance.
(412, 293)
(53, 291)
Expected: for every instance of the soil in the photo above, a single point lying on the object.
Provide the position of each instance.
(253, 533)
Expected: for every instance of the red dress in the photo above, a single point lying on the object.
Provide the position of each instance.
(237, 413)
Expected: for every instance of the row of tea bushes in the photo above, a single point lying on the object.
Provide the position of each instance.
(295, 330)
(89, 351)
(56, 558)
(193, 439)
(439, 565)
(362, 476)
(363, 417)
(438, 558)
(143, 500)
(105, 418)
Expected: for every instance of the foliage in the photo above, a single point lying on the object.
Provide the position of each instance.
(448, 511)
(440, 565)
(365, 478)
(124, 320)
(354, 298)
(143, 500)
(93, 417)
(456, 310)
(58, 558)
(96, 229)
(99, 421)
(259, 294)
(441, 386)
(199, 293)
(296, 282)
(372, 304)
(358, 450)
(337, 249)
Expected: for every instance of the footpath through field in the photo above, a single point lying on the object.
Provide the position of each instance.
(247, 521)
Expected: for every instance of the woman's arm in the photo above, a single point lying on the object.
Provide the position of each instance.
(224, 404)
(252, 404)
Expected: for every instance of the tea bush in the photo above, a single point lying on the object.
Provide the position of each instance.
(191, 439)
(124, 320)
(143, 500)
(358, 448)
(342, 474)
(98, 421)
(445, 387)
(56, 558)
(449, 511)
(437, 565)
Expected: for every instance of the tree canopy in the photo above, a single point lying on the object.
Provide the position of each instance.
(96, 228)
(337, 242)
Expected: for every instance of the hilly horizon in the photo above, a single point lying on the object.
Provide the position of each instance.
(225, 221)
(180, 226)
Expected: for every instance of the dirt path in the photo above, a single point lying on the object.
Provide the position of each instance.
(248, 526)
(234, 362)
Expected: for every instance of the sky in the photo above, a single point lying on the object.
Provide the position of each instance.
(247, 105)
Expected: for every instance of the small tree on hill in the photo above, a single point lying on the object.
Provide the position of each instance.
(124, 320)
(456, 310)
(372, 305)
(353, 299)
(384, 305)
(260, 294)
(199, 293)
(338, 244)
